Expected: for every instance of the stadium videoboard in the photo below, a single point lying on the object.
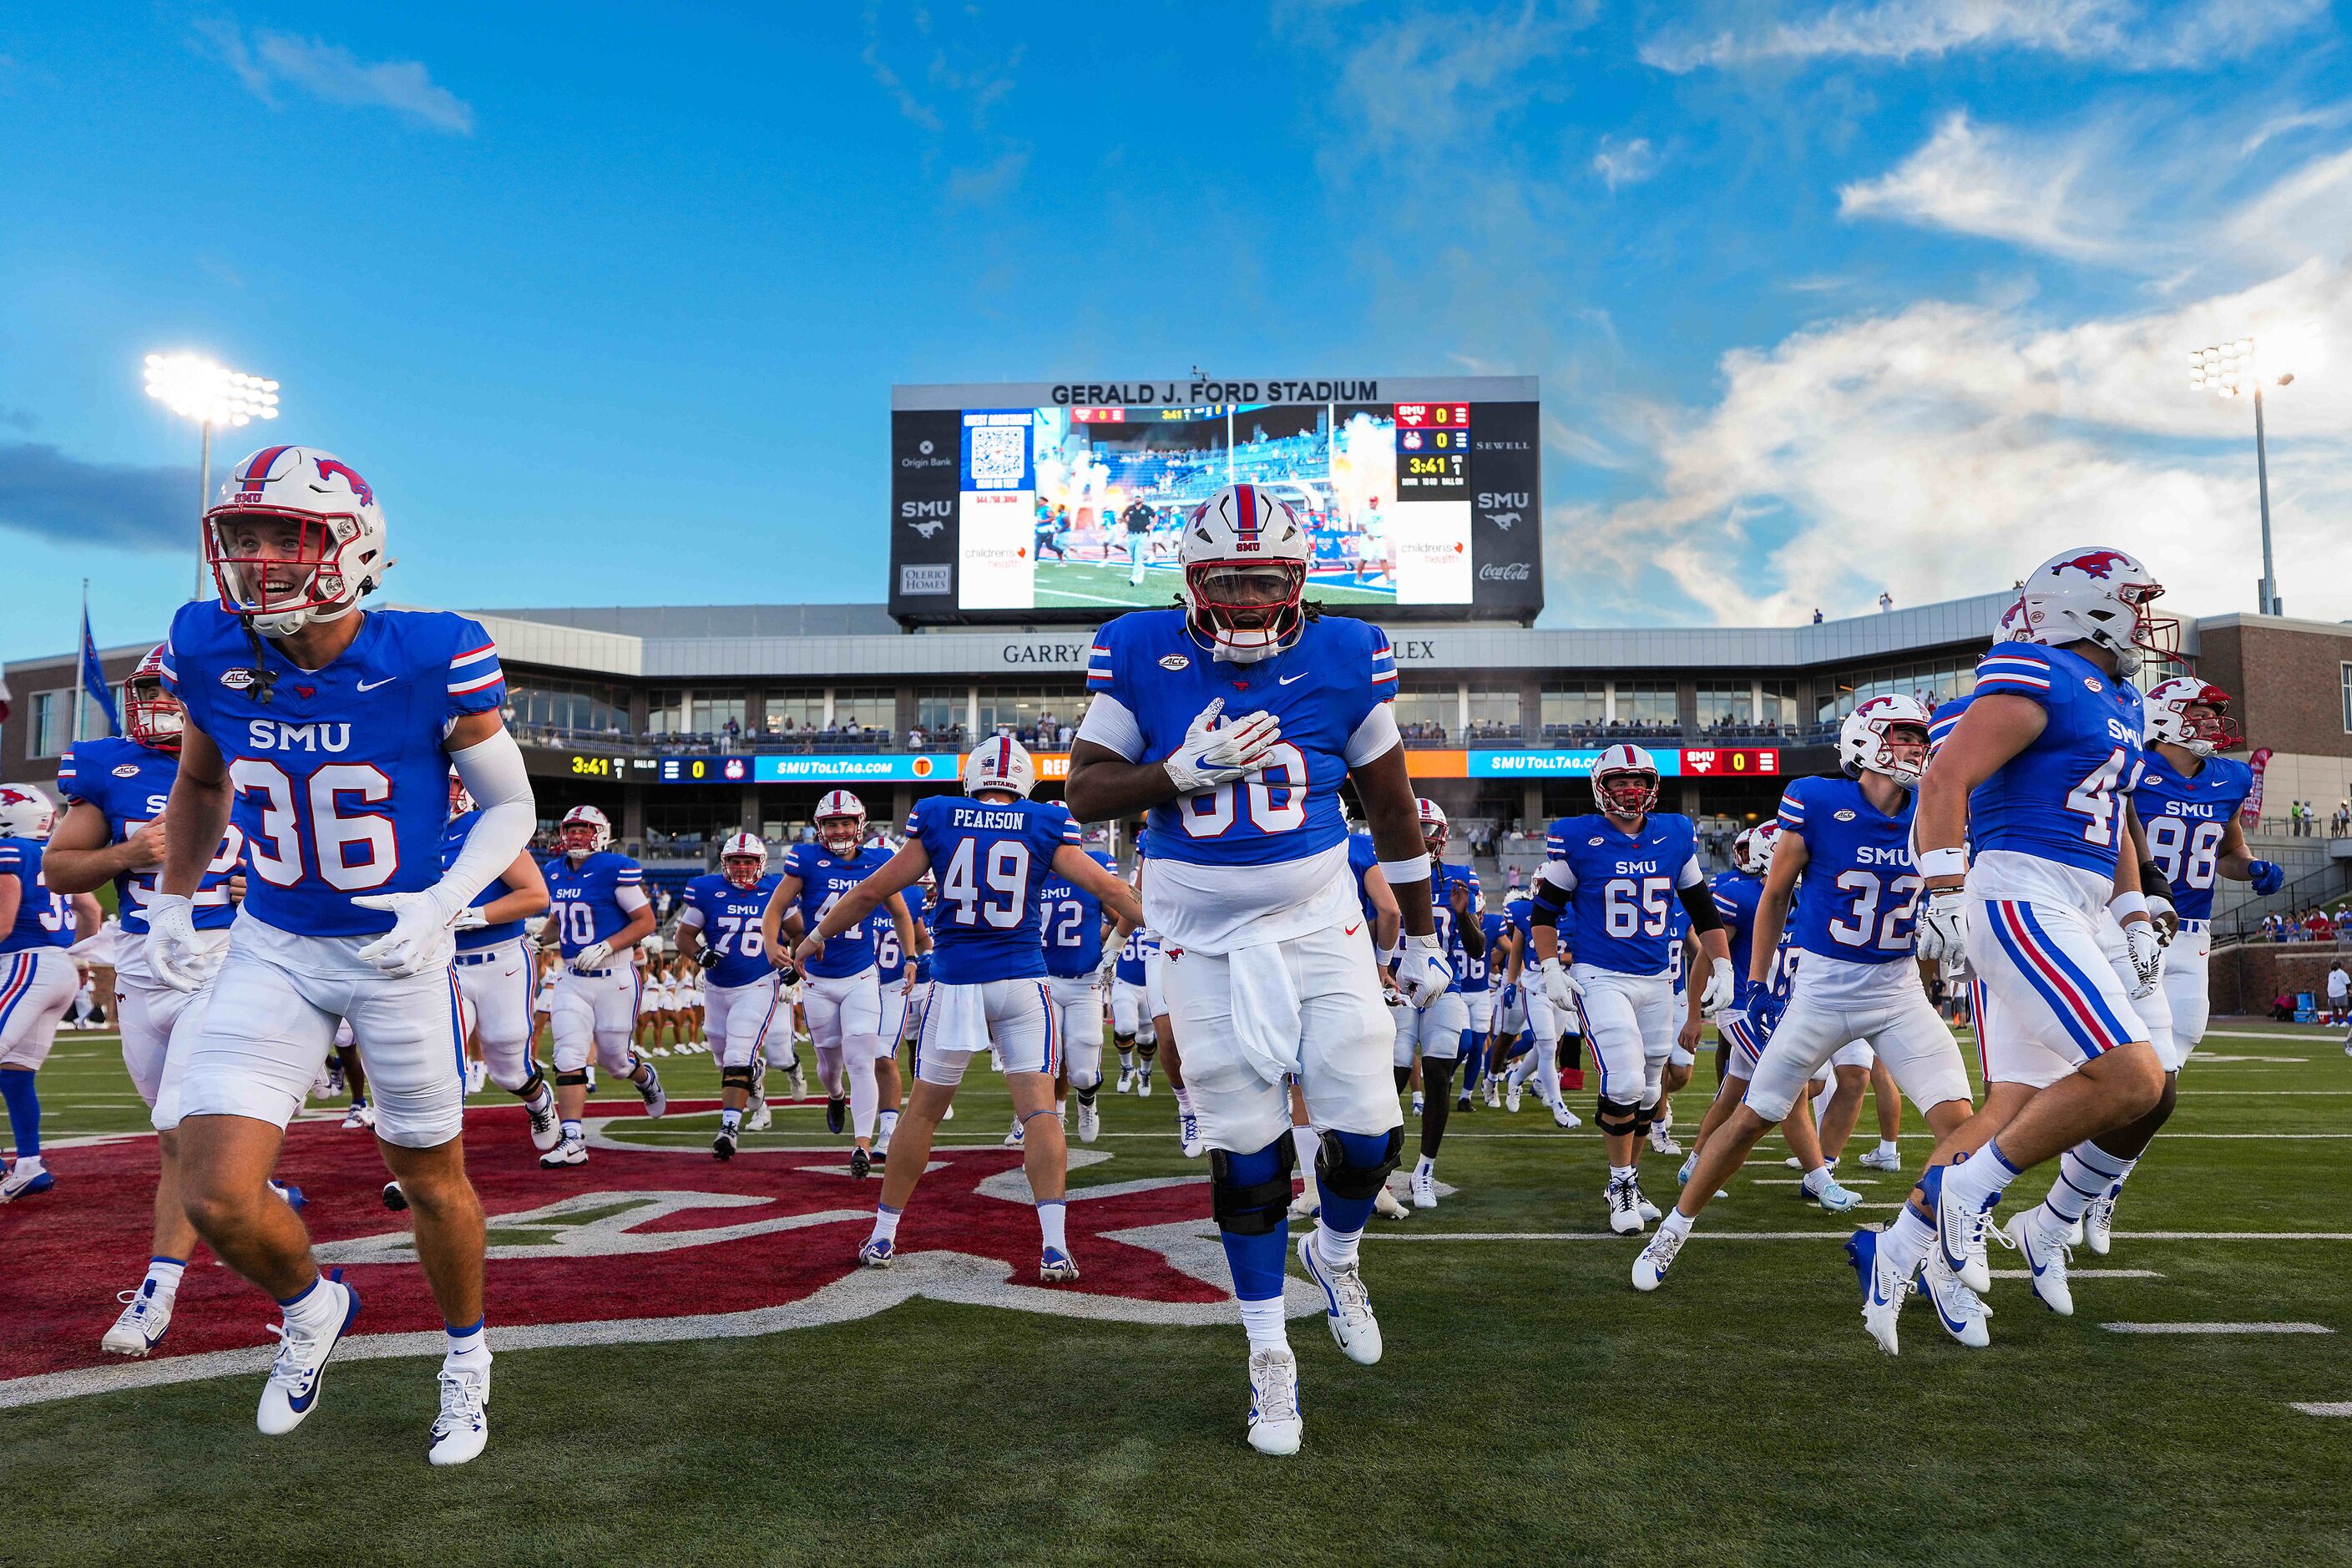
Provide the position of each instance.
(1044, 501)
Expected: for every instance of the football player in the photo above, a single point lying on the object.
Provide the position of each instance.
(843, 991)
(1527, 1007)
(1843, 851)
(992, 848)
(599, 917)
(1267, 961)
(1137, 519)
(905, 980)
(720, 929)
(328, 731)
(1619, 874)
(1131, 1014)
(2035, 776)
(1072, 925)
(497, 978)
(37, 981)
(1437, 1034)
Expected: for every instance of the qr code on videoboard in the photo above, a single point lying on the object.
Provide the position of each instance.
(996, 453)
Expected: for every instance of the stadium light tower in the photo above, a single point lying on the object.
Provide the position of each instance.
(2233, 370)
(212, 395)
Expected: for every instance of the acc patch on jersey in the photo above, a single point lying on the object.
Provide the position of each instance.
(1845, 817)
(126, 770)
(1174, 661)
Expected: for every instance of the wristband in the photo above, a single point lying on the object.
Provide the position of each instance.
(2123, 906)
(1944, 862)
(1398, 871)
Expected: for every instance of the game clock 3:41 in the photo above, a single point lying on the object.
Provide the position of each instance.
(595, 767)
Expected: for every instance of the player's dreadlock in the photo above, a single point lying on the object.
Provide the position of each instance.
(262, 677)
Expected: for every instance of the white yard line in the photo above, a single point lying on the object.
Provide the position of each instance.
(2217, 1328)
(1394, 1235)
(2340, 1407)
(2082, 1273)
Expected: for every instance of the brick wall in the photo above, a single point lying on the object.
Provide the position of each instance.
(2242, 980)
(2288, 678)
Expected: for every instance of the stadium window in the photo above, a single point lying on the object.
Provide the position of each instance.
(1020, 707)
(1571, 704)
(865, 706)
(1427, 709)
(52, 714)
(573, 707)
(709, 710)
(1494, 709)
(794, 709)
(941, 709)
(1779, 706)
(1723, 706)
(1649, 705)
(665, 710)
(2346, 668)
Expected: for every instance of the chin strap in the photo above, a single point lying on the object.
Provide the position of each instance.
(263, 678)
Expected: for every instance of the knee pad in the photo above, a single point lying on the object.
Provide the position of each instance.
(571, 1078)
(1615, 1117)
(1252, 1207)
(1339, 1172)
(735, 1077)
(1644, 1116)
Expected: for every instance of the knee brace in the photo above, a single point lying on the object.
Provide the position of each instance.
(1252, 1207)
(1615, 1117)
(735, 1077)
(571, 1078)
(1644, 1116)
(1337, 1174)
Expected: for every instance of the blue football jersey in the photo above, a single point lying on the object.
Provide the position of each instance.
(1858, 896)
(2185, 816)
(1072, 921)
(340, 784)
(130, 785)
(44, 918)
(1677, 929)
(1322, 689)
(1480, 972)
(1362, 859)
(475, 939)
(586, 898)
(992, 860)
(1621, 887)
(889, 958)
(1736, 895)
(1442, 883)
(1132, 953)
(729, 919)
(825, 878)
(2062, 798)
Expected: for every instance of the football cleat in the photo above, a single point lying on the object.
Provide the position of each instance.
(1014, 1139)
(836, 1112)
(1126, 1081)
(1495, 1094)
(650, 1092)
(1274, 1422)
(1625, 1207)
(1416, 1102)
(1881, 1160)
(146, 1317)
(724, 1144)
(1882, 1294)
(462, 1428)
(1385, 1204)
(1054, 1267)
(1306, 1204)
(1959, 1234)
(1837, 1199)
(567, 1152)
(1643, 1206)
(1424, 1189)
(1089, 1121)
(758, 1118)
(882, 1137)
(1690, 1164)
(1347, 1305)
(1662, 1141)
(1960, 1309)
(393, 1198)
(1657, 1257)
(878, 1252)
(293, 1195)
(1188, 1134)
(292, 1391)
(2046, 1254)
(360, 1118)
(1143, 1085)
(1511, 1095)
(2099, 1224)
(796, 1081)
(546, 1127)
(1563, 1118)
(861, 1164)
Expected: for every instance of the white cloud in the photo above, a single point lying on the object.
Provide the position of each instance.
(334, 75)
(2115, 32)
(1418, 78)
(1625, 163)
(1985, 181)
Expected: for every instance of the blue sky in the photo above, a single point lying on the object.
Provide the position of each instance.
(1824, 299)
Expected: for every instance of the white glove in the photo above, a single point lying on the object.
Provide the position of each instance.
(1210, 756)
(1104, 977)
(2146, 954)
(1944, 926)
(1423, 974)
(175, 952)
(2165, 918)
(1559, 985)
(419, 937)
(470, 918)
(1719, 988)
(593, 956)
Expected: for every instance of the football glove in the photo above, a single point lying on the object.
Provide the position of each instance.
(1422, 974)
(2165, 918)
(1212, 756)
(2146, 954)
(593, 956)
(1720, 988)
(1559, 985)
(707, 957)
(1944, 926)
(470, 918)
(1764, 1010)
(2266, 877)
(175, 952)
(419, 937)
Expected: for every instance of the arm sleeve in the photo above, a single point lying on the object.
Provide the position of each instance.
(1690, 877)
(476, 684)
(493, 773)
(1700, 903)
(1108, 725)
(1375, 737)
(690, 913)
(1549, 900)
(629, 887)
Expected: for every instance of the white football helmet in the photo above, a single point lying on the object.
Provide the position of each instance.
(2012, 627)
(1636, 791)
(2101, 597)
(26, 812)
(1866, 739)
(295, 537)
(1433, 826)
(1244, 554)
(584, 830)
(743, 859)
(2168, 703)
(840, 822)
(461, 799)
(151, 714)
(1002, 762)
(1751, 852)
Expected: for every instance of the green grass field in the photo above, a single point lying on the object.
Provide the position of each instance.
(1531, 1408)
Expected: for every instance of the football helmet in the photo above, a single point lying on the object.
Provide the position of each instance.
(1751, 852)
(1434, 826)
(584, 830)
(2168, 703)
(743, 858)
(1625, 781)
(840, 820)
(2012, 627)
(26, 812)
(1002, 762)
(1866, 739)
(461, 799)
(295, 537)
(1243, 554)
(2101, 597)
(152, 715)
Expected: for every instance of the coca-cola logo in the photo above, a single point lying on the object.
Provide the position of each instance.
(1508, 572)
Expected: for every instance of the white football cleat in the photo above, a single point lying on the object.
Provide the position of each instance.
(1656, 1257)
(1643, 1206)
(1837, 1199)
(1416, 1102)
(1056, 1267)
(1347, 1305)
(567, 1152)
(796, 1081)
(1424, 1189)
(1306, 1204)
(1089, 1121)
(1663, 1141)
(1563, 1118)
(292, 1391)
(1495, 1094)
(1881, 1160)
(2046, 1254)
(1143, 1085)
(1274, 1422)
(463, 1429)
(757, 1117)
(1187, 1135)
(146, 1316)
(26, 1176)
(1881, 1292)
(1385, 1204)
(1625, 1207)
(1511, 1094)
(1960, 1309)
(1126, 1081)
(2099, 1224)
(878, 1252)
(1960, 1233)
(546, 1126)
(360, 1118)
(1014, 1139)
(650, 1092)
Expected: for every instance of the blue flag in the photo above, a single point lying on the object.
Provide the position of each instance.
(93, 679)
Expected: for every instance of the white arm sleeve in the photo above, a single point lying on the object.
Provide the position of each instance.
(1690, 876)
(1108, 725)
(1374, 737)
(493, 773)
(690, 917)
(631, 898)
(1557, 874)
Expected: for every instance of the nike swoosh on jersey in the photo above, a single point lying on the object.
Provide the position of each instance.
(1286, 680)
(371, 685)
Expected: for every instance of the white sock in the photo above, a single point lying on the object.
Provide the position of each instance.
(1424, 1166)
(468, 1344)
(1052, 1216)
(1621, 1172)
(1676, 1222)
(314, 1310)
(1887, 1149)
(165, 1272)
(1261, 1320)
(886, 1223)
(1336, 1247)
(1183, 1096)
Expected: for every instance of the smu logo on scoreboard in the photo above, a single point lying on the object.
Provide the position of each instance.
(1757, 760)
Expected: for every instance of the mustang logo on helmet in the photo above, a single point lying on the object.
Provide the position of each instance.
(2099, 563)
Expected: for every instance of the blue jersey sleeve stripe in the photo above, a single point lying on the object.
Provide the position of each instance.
(2008, 682)
(474, 655)
(476, 681)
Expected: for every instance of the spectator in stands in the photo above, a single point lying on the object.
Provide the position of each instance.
(2339, 992)
(1885, 602)
(2294, 818)
(1817, 617)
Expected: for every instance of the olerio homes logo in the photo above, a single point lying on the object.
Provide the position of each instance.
(938, 579)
